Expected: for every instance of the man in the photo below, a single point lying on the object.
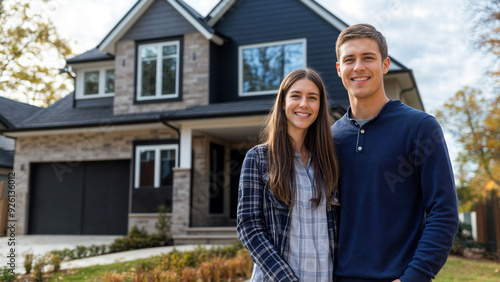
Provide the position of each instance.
(399, 210)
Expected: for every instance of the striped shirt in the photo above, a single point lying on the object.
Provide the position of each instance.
(308, 256)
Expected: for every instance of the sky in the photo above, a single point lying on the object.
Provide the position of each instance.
(432, 38)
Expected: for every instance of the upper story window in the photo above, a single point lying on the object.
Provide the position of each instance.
(158, 70)
(95, 82)
(263, 66)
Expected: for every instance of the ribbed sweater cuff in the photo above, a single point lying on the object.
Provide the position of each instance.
(413, 275)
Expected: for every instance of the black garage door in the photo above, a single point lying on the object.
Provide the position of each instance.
(79, 198)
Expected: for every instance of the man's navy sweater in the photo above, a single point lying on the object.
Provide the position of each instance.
(399, 210)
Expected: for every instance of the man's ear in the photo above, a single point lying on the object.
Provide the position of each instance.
(386, 64)
(338, 69)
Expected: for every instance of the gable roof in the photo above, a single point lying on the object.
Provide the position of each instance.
(225, 5)
(13, 112)
(107, 45)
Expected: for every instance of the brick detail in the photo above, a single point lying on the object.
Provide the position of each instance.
(195, 77)
(180, 201)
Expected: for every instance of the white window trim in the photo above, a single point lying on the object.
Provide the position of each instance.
(80, 81)
(159, 66)
(275, 43)
(157, 149)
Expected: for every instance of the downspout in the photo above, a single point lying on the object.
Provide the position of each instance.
(67, 69)
(178, 156)
(176, 130)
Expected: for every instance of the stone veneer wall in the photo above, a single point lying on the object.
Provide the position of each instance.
(201, 216)
(68, 150)
(195, 77)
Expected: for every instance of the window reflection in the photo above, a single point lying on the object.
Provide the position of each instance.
(147, 168)
(264, 67)
(91, 83)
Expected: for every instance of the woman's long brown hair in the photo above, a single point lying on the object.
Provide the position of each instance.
(318, 141)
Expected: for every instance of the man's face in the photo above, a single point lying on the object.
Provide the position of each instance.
(361, 68)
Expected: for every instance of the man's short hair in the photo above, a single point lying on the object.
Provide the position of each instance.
(362, 31)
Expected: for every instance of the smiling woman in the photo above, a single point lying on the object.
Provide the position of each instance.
(288, 187)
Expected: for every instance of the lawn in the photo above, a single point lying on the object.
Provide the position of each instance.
(461, 269)
(456, 269)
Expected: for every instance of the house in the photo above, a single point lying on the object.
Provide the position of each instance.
(163, 112)
(11, 114)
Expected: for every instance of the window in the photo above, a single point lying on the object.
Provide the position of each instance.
(153, 165)
(96, 83)
(154, 177)
(158, 71)
(263, 66)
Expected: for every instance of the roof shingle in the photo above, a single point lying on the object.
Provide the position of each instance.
(13, 112)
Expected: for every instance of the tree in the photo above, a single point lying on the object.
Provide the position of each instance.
(474, 120)
(485, 19)
(472, 115)
(30, 53)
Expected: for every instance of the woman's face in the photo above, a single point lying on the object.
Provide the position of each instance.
(302, 103)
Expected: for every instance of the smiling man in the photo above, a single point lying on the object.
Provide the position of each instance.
(399, 210)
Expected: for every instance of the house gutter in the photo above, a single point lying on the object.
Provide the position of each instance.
(165, 122)
(176, 130)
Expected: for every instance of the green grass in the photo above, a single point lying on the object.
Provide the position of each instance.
(461, 269)
(456, 269)
(95, 273)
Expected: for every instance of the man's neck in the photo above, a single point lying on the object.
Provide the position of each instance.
(367, 108)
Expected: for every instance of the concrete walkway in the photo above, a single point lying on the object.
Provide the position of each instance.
(13, 251)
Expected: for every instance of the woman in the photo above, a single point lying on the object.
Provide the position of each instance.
(287, 193)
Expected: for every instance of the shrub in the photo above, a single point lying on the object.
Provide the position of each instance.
(6, 275)
(81, 251)
(463, 240)
(189, 274)
(28, 262)
(197, 265)
(112, 277)
(38, 271)
(55, 260)
(136, 239)
(163, 224)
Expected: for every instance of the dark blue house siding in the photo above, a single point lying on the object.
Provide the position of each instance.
(159, 21)
(263, 21)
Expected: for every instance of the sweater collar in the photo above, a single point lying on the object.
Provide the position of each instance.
(386, 108)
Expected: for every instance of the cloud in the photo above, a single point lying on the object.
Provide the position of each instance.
(429, 37)
(86, 22)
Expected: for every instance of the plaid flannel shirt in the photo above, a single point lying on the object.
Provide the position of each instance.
(263, 222)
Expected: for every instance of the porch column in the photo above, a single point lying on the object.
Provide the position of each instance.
(186, 146)
(180, 201)
(182, 184)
